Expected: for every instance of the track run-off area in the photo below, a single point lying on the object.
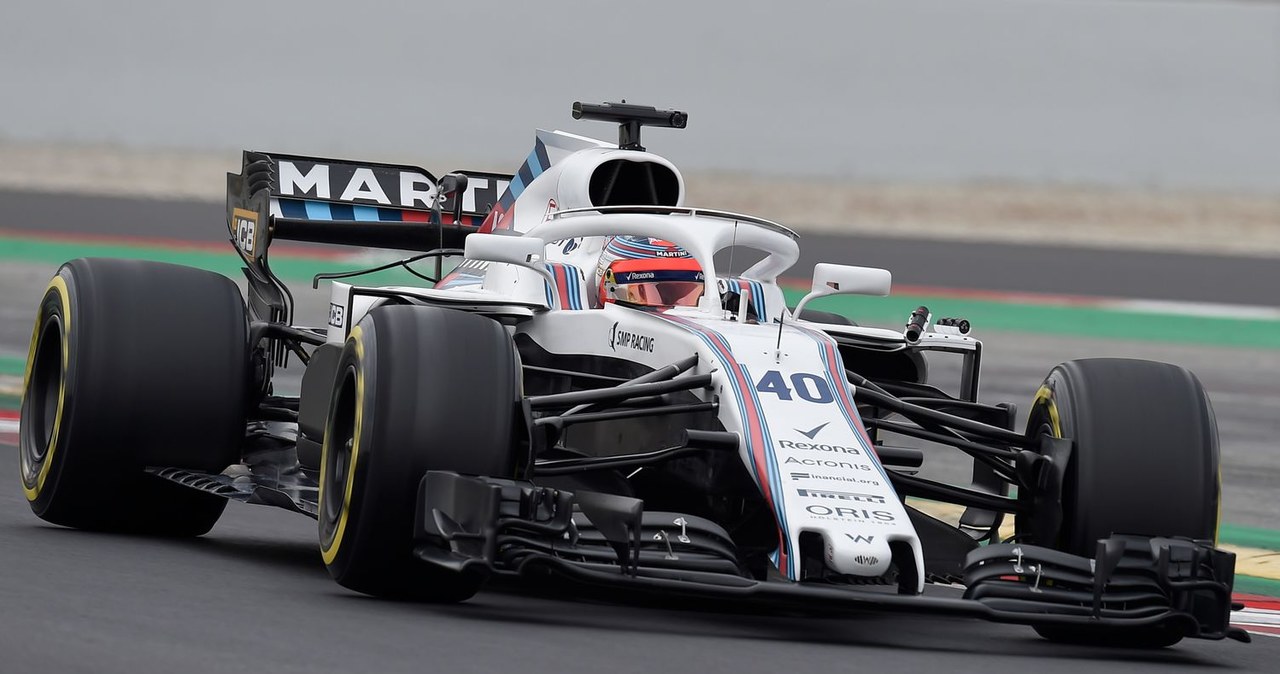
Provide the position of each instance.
(88, 602)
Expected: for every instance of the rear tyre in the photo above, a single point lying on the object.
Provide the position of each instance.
(132, 364)
(417, 389)
(1145, 462)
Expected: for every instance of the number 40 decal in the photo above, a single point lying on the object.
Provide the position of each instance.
(807, 386)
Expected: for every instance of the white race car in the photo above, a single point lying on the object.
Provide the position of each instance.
(609, 386)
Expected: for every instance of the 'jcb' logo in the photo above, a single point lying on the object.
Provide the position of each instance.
(245, 230)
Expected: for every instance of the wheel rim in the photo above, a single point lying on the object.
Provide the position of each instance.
(336, 465)
(40, 404)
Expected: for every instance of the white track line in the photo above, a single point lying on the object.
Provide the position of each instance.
(1197, 309)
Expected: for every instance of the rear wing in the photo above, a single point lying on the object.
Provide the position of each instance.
(374, 205)
(292, 197)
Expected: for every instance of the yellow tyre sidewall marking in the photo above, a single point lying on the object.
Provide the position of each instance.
(1045, 396)
(330, 552)
(60, 286)
(1217, 524)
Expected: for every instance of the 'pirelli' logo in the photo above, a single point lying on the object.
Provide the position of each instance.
(840, 495)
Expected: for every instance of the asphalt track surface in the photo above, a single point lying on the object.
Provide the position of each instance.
(253, 595)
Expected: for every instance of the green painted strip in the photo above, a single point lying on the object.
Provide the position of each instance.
(290, 268)
(1262, 586)
(883, 311)
(892, 312)
(13, 366)
(1249, 537)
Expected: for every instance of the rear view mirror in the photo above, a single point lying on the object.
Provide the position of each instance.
(843, 279)
(525, 251)
(522, 251)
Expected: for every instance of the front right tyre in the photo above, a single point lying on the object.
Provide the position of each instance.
(1145, 461)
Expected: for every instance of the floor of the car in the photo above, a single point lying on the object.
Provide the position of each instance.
(268, 475)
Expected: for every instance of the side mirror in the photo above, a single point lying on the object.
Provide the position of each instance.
(843, 279)
(522, 251)
(525, 251)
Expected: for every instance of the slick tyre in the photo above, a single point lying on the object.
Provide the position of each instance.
(1145, 461)
(417, 389)
(132, 364)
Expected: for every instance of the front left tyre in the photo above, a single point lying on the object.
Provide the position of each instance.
(417, 389)
(132, 364)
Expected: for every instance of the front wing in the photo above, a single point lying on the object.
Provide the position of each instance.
(516, 528)
(471, 524)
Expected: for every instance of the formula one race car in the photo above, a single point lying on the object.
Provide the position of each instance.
(590, 393)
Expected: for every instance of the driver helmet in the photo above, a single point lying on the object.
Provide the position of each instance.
(648, 272)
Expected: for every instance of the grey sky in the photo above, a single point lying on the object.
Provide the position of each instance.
(1135, 93)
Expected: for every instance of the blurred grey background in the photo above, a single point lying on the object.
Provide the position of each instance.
(1127, 93)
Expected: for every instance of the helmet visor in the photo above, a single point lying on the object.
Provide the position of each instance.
(658, 293)
(653, 282)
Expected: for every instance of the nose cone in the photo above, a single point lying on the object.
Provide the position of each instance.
(858, 554)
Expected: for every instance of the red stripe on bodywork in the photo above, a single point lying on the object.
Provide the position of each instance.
(752, 418)
(562, 286)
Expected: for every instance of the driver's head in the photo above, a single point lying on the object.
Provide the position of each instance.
(642, 271)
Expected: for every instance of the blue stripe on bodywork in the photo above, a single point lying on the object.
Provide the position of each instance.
(840, 387)
(342, 212)
(571, 282)
(365, 213)
(757, 296)
(293, 208)
(773, 478)
(575, 287)
(317, 210)
(550, 288)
